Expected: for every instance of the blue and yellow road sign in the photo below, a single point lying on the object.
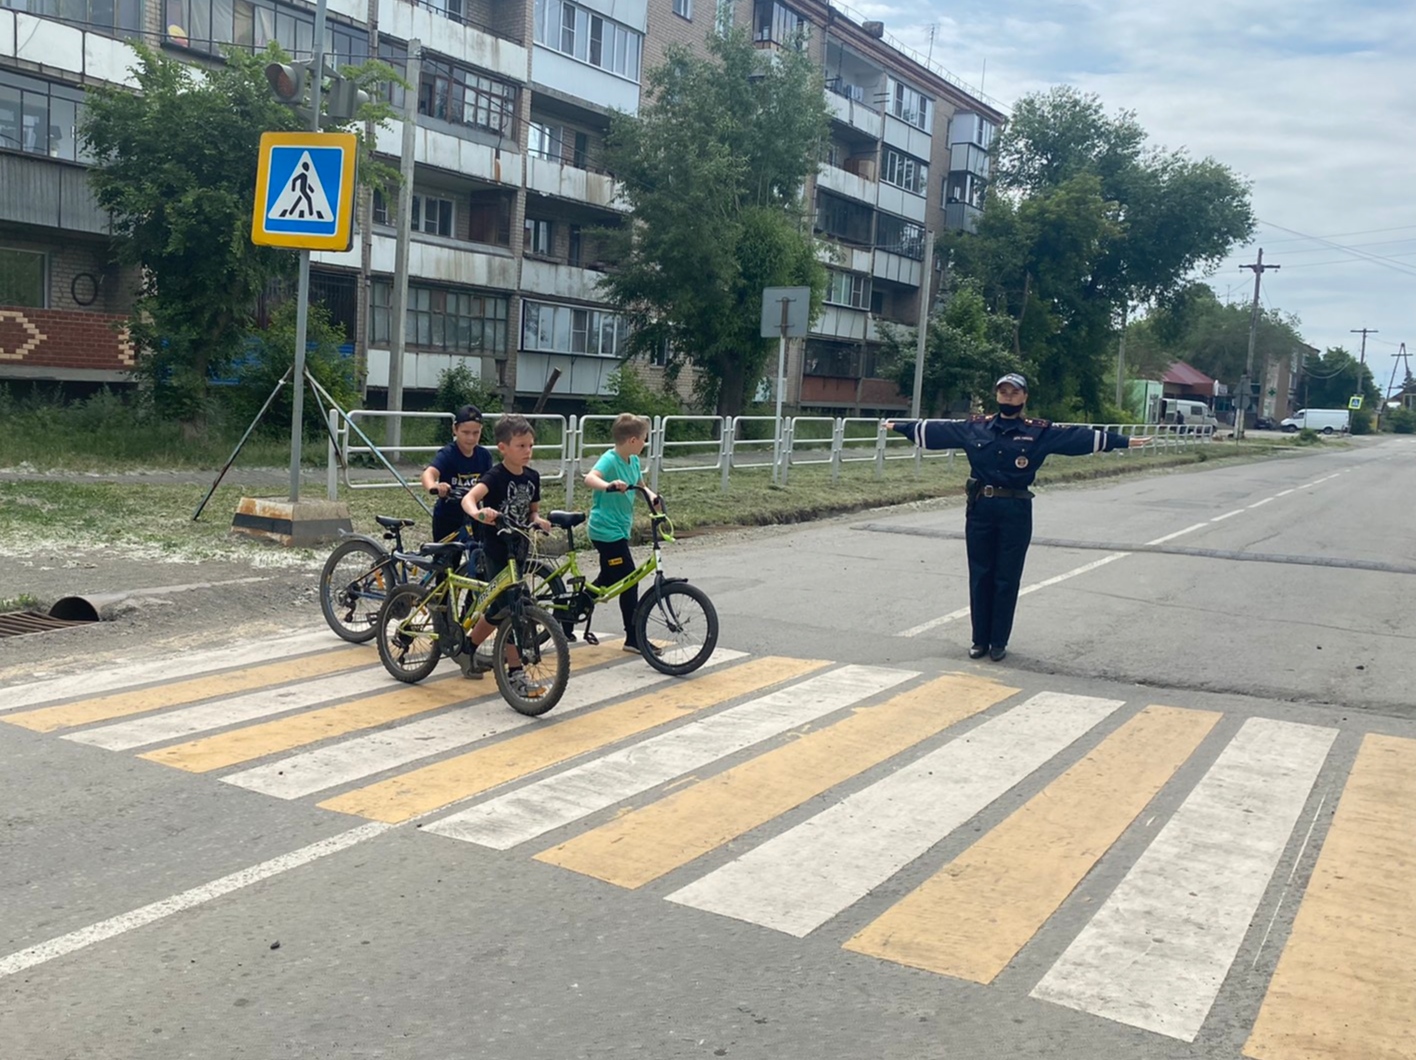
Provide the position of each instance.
(305, 191)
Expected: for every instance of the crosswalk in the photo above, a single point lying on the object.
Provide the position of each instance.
(786, 792)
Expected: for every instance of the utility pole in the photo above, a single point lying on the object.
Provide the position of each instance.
(1364, 332)
(1121, 357)
(1242, 405)
(922, 335)
(1400, 355)
(398, 323)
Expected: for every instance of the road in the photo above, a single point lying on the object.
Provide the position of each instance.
(1173, 823)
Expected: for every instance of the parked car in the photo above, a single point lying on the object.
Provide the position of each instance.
(1328, 421)
(1265, 423)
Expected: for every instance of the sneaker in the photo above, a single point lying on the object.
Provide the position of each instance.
(523, 687)
(475, 663)
(634, 649)
(977, 651)
(997, 654)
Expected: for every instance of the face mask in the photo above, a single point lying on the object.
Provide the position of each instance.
(1010, 410)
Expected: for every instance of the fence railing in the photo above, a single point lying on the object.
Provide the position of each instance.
(568, 446)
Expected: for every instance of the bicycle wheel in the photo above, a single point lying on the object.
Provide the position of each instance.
(677, 628)
(545, 660)
(407, 632)
(546, 587)
(355, 579)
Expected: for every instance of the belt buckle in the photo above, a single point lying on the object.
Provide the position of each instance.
(988, 491)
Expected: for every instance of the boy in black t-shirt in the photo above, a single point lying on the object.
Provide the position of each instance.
(512, 488)
(461, 463)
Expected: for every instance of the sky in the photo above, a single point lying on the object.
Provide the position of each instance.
(1314, 103)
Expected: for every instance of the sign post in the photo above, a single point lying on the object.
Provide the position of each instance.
(785, 311)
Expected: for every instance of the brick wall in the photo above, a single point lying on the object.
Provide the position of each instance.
(63, 339)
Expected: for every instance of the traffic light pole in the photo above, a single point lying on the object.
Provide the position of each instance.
(1241, 406)
(302, 297)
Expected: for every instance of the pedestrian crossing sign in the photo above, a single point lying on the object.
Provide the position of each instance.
(305, 191)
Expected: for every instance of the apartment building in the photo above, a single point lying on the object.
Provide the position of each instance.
(513, 103)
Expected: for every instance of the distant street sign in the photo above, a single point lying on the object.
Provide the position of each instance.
(1354, 402)
(305, 191)
(785, 306)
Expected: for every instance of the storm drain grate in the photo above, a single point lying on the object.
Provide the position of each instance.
(18, 623)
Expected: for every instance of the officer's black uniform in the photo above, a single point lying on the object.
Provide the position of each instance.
(1004, 455)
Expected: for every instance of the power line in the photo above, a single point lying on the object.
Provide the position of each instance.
(1337, 235)
(1400, 266)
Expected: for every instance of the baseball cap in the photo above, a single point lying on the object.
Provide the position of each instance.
(1012, 377)
(467, 414)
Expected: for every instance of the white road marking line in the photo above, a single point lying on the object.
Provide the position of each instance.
(1157, 952)
(1260, 504)
(527, 812)
(1178, 533)
(803, 877)
(1227, 515)
(355, 759)
(90, 683)
(148, 914)
(933, 623)
(1284, 493)
(224, 712)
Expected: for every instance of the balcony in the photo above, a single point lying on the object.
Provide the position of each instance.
(899, 201)
(59, 47)
(962, 216)
(564, 181)
(897, 268)
(552, 279)
(582, 374)
(441, 150)
(439, 24)
(848, 185)
(846, 323)
(854, 112)
(442, 261)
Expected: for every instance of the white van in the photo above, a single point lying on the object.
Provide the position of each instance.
(1327, 421)
(1188, 411)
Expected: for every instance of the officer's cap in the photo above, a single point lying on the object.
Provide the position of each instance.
(1017, 380)
(467, 414)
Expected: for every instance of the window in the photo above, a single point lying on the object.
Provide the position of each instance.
(97, 15)
(898, 236)
(848, 289)
(572, 329)
(382, 214)
(432, 216)
(23, 278)
(581, 33)
(905, 171)
(559, 143)
(778, 24)
(576, 250)
(489, 218)
(910, 106)
(539, 237)
(684, 9)
(206, 25)
(441, 319)
(41, 118)
(453, 94)
(843, 219)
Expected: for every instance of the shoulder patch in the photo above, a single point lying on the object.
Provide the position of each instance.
(979, 417)
(1038, 423)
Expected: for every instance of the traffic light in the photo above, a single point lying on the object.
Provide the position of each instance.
(287, 81)
(344, 99)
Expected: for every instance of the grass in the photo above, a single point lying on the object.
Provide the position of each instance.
(153, 521)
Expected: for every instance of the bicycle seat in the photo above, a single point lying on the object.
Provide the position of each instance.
(566, 520)
(449, 552)
(390, 522)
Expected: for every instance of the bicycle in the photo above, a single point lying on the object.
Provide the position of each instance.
(675, 624)
(360, 573)
(418, 625)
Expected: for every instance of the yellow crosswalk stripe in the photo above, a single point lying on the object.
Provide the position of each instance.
(284, 734)
(192, 690)
(474, 772)
(973, 916)
(1345, 986)
(643, 845)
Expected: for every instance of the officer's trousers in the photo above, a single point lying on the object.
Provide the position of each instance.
(996, 532)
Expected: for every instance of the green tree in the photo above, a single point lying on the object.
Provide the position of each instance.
(175, 165)
(712, 167)
(1330, 380)
(965, 351)
(1086, 223)
(270, 353)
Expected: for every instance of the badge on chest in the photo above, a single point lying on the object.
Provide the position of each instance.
(1021, 461)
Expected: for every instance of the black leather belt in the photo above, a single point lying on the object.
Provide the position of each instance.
(999, 491)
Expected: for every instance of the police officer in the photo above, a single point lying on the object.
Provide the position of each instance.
(1004, 451)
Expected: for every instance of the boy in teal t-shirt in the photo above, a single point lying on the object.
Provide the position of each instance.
(612, 511)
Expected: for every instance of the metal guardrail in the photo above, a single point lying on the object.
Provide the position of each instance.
(727, 447)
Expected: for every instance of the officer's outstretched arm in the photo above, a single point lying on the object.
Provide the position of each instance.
(1082, 441)
(931, 434)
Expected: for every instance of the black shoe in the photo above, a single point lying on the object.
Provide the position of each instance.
(977, 651)
(997, 654)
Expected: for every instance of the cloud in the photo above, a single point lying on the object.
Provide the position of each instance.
(1311, 101)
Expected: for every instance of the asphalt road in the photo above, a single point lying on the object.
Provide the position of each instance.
(1173, 823)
